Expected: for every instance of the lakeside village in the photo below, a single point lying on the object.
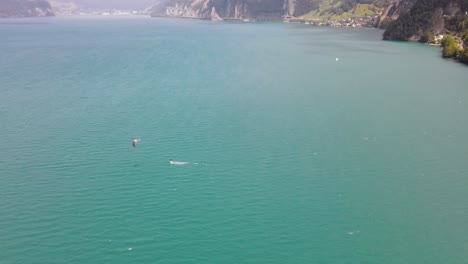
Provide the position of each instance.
(110, 12)
(369, 21)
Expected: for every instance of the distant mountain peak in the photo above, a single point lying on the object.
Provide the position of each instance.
(25, 8)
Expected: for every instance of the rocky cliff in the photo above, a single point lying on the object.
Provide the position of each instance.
(25, 8)
(394, 10)
(255, 9)
(220, 9)
(414, 19)
(64, 8)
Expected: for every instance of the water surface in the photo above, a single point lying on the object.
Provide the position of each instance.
(301, 158)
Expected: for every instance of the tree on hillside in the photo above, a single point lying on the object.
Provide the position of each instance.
(450, 46)
(464, 56)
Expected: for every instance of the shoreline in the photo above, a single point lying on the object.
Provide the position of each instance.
(365, 22)
(368, 22)
(345, 23)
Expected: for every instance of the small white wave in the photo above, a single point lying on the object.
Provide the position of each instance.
(172, 162)
(353, 232)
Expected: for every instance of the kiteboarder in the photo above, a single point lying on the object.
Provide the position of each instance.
(135, 141)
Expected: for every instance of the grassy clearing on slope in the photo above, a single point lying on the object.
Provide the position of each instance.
(363, 10)
(328, 11)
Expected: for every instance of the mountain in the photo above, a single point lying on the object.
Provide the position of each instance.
(443, 22)
(109, 4)
(25, 8)
(266, 9)
(220, 9)
(414, 19)
(64, 8)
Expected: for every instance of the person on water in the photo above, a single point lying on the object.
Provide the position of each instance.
(135, 141)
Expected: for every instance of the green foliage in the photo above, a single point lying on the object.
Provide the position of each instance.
(450, 47)
(447, 40)
(255, 8)
(363, 10)
(450, 52)
(456, 23)
(335, 10)
(464, 55)
(343, 6)
(427, 37)
(343, 9)
(348, 5)
(463, 31)
(463, 24)
(464, 37)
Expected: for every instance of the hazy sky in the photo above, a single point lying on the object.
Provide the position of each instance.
(121, 4)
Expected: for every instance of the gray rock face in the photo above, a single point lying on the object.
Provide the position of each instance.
(412, 19)
(230, 9)
(397, 8)
(438, 21)
(64, 8)
(25, 8)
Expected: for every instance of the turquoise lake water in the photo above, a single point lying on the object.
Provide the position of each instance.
(295, 157)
